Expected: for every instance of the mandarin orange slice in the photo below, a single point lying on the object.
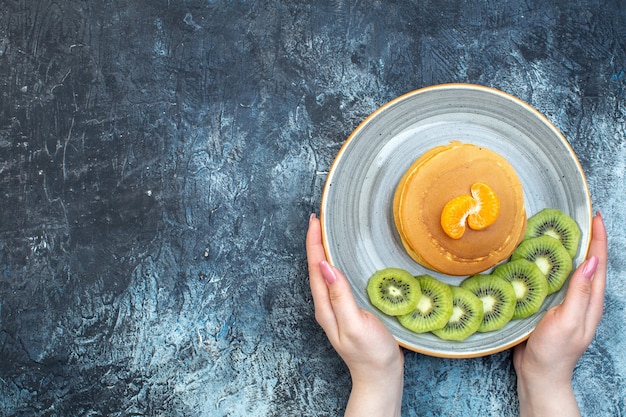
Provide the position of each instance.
(487, 207)
(479, 211)
(454, 215)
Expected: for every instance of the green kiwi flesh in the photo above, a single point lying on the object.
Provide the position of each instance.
(467, 315)
(529, 283)
(516, 289)
(393, 291)
(433, 308)
(498, 297)
(557, 224)
(550, 256)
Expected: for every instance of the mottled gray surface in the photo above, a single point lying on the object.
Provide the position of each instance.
(159, 160)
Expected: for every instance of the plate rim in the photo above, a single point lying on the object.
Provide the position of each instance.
(441, 87)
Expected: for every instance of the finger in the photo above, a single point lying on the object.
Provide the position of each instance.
(585, 296)
(598, 248)
(347, 312)
(578, 295)
(315, 254)
(319, 290)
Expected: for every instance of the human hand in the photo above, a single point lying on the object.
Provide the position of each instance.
(545, 363)
(375, 360)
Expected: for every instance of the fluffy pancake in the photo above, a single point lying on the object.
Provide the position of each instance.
(438, 176)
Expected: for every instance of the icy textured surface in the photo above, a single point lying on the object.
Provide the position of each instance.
(159, 160)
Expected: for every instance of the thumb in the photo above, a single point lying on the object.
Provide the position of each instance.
(341, 298)
(578, 294)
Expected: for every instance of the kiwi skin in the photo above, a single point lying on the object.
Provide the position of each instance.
(555, 223)
(393, 291)
(498, 297)
(432, 310)
(550, 256)
(529, 283)
(467, 315)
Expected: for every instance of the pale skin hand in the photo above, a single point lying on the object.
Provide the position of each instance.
(545, 363)
(375, 360)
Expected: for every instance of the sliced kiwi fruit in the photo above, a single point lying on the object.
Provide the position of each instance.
(555, 223)
(393, 291)
(433, 308)
(467, 315)
(498, 297)
(550, 256)
(529, 283)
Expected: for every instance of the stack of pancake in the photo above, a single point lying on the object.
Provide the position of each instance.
(441, 175)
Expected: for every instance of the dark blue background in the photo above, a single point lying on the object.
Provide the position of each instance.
(159, 160)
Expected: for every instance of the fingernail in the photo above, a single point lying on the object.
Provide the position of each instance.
(599, 214)
(311, 217)
(590, 267)
(327, 272)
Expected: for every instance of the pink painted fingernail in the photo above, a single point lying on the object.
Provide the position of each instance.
(590, 267)
(327, 272)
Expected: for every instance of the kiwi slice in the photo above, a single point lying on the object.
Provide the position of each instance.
(393, 291)
(555, 223)
(433, 309)
(529, 283)
(550, 256)
(498, 297)
(467, 315)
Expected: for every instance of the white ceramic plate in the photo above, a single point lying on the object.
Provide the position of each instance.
(357, 204)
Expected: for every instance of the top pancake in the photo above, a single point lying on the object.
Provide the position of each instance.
(438, 176)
